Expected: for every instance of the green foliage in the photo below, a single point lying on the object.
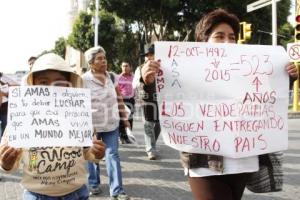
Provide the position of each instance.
(82, 36)
(261, 20)
(127, 25)
(60, 47)
(182, 15)
(152, 17)
(127, 49)
(286, 33)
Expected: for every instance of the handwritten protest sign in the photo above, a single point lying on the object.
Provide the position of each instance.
(49, 116)
(222, 99)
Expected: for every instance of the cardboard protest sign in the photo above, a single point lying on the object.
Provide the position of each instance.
(40, 116)
(223, 99)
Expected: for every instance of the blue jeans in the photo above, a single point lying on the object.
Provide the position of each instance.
(80, 194)
(152, 131)
(3, 119)
(113, 166)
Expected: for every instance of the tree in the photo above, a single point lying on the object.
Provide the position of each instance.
(286, 31)
(60, 47)
(163, 17)
(127, 25)
(261, 20)
(82, 36)
(151, 17)
(127, 47)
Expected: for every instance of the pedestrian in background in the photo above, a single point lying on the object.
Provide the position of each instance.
(30, 62)
(108, 105)
(215, 177)
(125, 85)
(50, 69)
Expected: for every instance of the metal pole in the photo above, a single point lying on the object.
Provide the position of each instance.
(96, 23)
(296, 93)
(274, 23)
(296, 83)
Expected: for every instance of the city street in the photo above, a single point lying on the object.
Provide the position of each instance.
(220, 75)
(163, 179)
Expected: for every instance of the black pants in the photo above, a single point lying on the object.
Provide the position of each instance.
(130, 104)
(223, 187)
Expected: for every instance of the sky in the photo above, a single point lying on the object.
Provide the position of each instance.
(29, 27)
(291, 18)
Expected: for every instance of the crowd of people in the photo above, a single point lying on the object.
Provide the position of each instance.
(113, 102)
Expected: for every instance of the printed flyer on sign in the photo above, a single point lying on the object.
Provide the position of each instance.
(41, 116)
(223, 99)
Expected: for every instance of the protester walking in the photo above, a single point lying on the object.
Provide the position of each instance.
(150, 107)
(109, 107)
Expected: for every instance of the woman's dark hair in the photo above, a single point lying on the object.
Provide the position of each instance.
(213, 19)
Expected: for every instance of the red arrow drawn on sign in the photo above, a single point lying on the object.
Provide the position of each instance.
(256, 82)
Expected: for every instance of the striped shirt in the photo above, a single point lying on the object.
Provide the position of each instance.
(104, 102)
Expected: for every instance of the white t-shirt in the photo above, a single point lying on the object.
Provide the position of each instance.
(231, 166)
(136, 78)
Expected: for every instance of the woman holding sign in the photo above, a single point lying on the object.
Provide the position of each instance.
(215, 177)
(51, 172)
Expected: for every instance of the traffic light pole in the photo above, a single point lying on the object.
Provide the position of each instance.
(96, 23)
(245, 32)
(297, 33)
(296, 93)
(262, 3)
